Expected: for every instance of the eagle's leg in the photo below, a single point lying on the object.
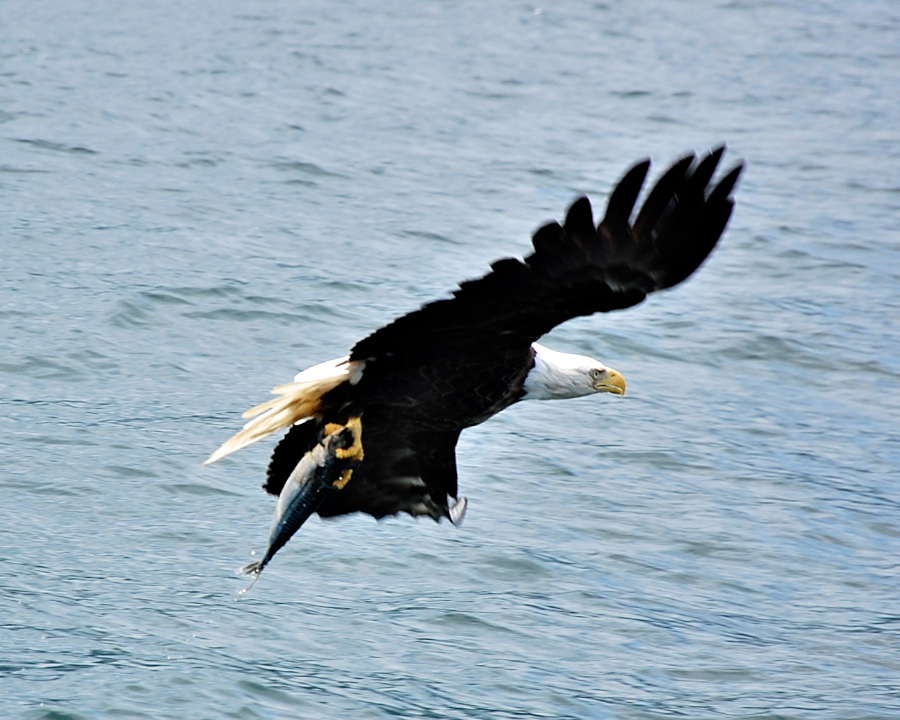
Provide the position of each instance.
(325, 469)
(348, 447)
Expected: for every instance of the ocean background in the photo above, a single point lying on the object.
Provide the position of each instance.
(199, 199)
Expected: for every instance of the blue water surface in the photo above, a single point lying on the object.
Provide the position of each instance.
(199, 199)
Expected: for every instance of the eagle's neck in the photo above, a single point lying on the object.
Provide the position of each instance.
(557, 375)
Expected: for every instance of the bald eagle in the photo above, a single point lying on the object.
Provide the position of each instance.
(384, 420)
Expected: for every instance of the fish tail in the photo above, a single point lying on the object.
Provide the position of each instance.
(253, 570)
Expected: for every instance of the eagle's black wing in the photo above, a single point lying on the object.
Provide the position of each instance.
(578, 269)
(405, 469)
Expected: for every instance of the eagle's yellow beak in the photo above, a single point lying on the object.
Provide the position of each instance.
(610, 381)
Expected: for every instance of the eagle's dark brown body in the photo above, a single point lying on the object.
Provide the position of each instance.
(411, 421)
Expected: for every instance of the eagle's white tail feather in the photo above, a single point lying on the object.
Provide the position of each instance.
(324, 370)
(296, 401)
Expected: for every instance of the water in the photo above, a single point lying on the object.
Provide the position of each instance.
(200, 199)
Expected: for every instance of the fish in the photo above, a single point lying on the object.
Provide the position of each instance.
(325, 469)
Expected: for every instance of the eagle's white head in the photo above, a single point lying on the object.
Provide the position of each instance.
(557, 375)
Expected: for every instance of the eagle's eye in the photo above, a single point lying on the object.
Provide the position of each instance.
(595, 374)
